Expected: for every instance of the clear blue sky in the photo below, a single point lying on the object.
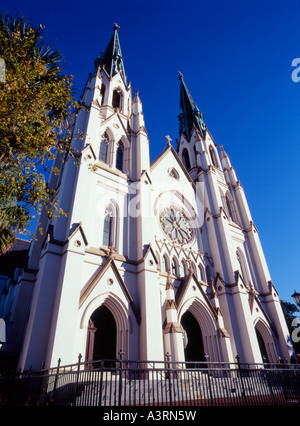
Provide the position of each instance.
(236, 60)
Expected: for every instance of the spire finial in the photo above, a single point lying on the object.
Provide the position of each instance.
(189, 112)
(223, 153)
(180, 75)
(112, 58)
(137, 97)
(168, 140)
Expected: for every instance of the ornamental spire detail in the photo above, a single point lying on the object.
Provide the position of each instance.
(189, 113)
(112, 59)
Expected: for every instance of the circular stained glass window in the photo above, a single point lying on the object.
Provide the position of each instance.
(176, 225)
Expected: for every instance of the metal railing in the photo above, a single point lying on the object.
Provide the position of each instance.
(156, 383)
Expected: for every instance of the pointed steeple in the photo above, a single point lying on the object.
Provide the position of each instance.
(189, 113)
(112, 58)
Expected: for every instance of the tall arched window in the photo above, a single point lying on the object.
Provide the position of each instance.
(229, 206)
(116, 99)
(108, 227)
(193, 268)
(102, 93)
(119, 156)
(158, 258)
(202, 273)
(165, 263)
(186, 159)
(231, 209)
(103, 151)
(174, 266)
(184, 267)
(243, 266)
(213, 156)
(181, 269)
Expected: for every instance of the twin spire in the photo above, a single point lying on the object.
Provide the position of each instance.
(112, 58)
(190, 115)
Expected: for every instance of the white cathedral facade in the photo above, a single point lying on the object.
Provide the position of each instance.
(151, 258)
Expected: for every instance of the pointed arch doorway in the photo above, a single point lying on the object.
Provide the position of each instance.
(262, 346)
(194, 349)
(101, 336)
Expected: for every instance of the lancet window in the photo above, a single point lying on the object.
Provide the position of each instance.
(119, 156)
(213, 156)
(102, 93)
(116, 99)
(103, 150)
(107, 227)
(174, 266)
(165, 263)
(109, 237)
(186, 159)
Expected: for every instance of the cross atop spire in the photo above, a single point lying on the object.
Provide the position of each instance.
(169, 140)
(189, 112)
(112, 58)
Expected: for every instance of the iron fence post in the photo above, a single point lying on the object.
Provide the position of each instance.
(121, 353)
(241, 377)
(169, 377)
(101, 383)
(267, 374)
(77, 377)
(208, 377)
(41, 392)
(55, 380)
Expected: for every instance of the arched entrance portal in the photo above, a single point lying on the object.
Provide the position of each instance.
(262, 346)
(194, 350)
(102, 335)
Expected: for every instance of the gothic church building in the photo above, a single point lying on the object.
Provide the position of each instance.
(152, 258)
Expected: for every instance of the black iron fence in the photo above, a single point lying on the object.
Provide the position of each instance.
(155, 383)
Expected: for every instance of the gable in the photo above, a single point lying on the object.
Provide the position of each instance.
(165, 161)
(105, 276)
(172, 185)
(115, 122)
(190, 288)
(77, 237)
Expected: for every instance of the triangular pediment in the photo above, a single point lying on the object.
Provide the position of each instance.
(149, 260)
(77, 235)
(108, 265)
(258, 311)
(116, 118)
(87, 149)
(163, 156)
(146, 177)
(119, 75)
(150, 254)
(190, 284)
(102, 73)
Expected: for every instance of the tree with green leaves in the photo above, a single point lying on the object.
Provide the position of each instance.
(35, 102)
